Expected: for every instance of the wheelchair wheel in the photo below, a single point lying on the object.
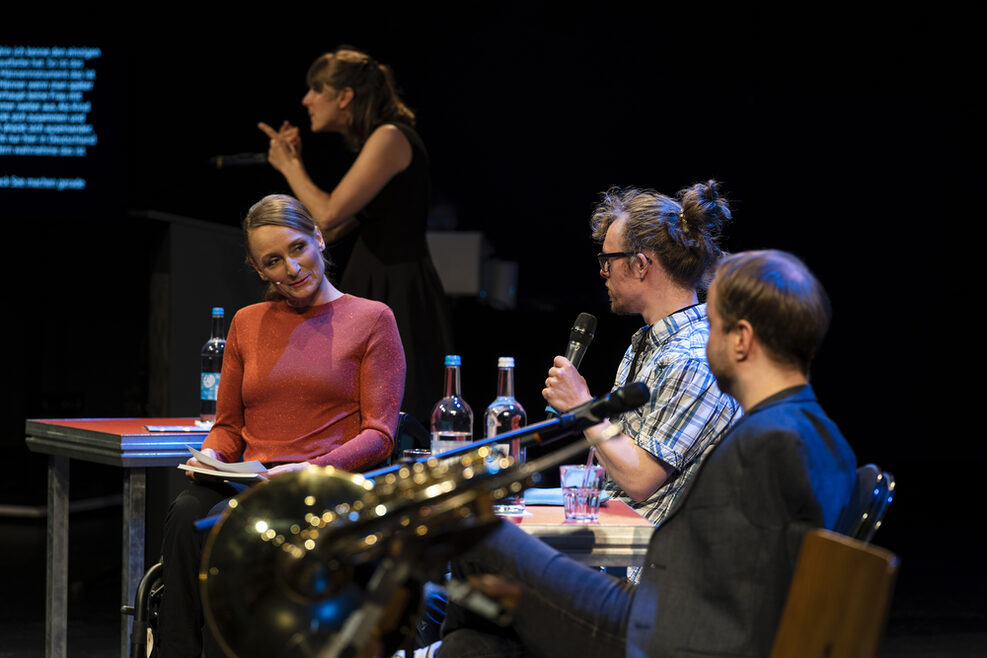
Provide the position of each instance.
(147, 602)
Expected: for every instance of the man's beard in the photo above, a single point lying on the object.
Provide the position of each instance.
(724, 379)
(616, 306)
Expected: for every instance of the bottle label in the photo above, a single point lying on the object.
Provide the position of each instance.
(209, 385)
(443, 441)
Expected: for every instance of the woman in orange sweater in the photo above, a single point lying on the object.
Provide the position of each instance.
(311, 376)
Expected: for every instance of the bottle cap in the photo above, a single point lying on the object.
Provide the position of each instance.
(217, 310)
(453, 360)
(505, 362)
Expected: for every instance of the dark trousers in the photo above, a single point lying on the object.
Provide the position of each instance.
(566, 609)
(180, 621)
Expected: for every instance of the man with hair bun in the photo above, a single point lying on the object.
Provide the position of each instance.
(718, 569)
(658, 254)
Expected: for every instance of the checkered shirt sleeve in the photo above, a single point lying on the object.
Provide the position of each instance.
(687, 413)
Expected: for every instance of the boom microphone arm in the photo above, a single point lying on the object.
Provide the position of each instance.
(571, 422)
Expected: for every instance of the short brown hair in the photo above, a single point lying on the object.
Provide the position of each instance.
(683, 232)
(784, 303)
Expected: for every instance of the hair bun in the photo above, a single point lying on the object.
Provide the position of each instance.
(703, 208)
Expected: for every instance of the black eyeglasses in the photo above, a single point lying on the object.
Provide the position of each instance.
(604, 259)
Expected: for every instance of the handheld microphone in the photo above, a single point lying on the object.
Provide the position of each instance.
(580, 336)
(237, 160)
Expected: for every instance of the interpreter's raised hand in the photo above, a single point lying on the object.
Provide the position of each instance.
(286, 468)
(565, 388)
(292, 135)
(281, 151)
(192, 461)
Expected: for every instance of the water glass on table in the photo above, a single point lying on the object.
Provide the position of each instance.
(411, 455)
(581, 492)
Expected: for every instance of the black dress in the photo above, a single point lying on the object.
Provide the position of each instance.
(390, 262)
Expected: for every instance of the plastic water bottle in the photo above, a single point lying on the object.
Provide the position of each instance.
(505, 414)
(452, 418)
(212, 365)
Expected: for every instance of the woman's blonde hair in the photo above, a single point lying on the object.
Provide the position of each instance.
(278, 210)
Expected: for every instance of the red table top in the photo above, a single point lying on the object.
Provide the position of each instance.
(122, 426)
(619, 539)
(614, 512)
(116, 441)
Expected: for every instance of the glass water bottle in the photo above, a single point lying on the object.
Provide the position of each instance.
(505, 414)
(212, 366)
(452, 418)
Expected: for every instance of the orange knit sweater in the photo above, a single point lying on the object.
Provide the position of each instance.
(321, 385)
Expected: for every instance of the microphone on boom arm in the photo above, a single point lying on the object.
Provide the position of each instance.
(571, 422)
(320, 562)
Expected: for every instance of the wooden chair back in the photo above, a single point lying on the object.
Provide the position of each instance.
(838, 601)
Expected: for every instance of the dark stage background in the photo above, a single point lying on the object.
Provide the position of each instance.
(851, 139)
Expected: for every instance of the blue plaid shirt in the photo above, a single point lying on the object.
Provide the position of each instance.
(687, 414)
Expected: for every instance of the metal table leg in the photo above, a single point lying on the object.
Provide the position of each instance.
(57, 559)
(134, 497)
